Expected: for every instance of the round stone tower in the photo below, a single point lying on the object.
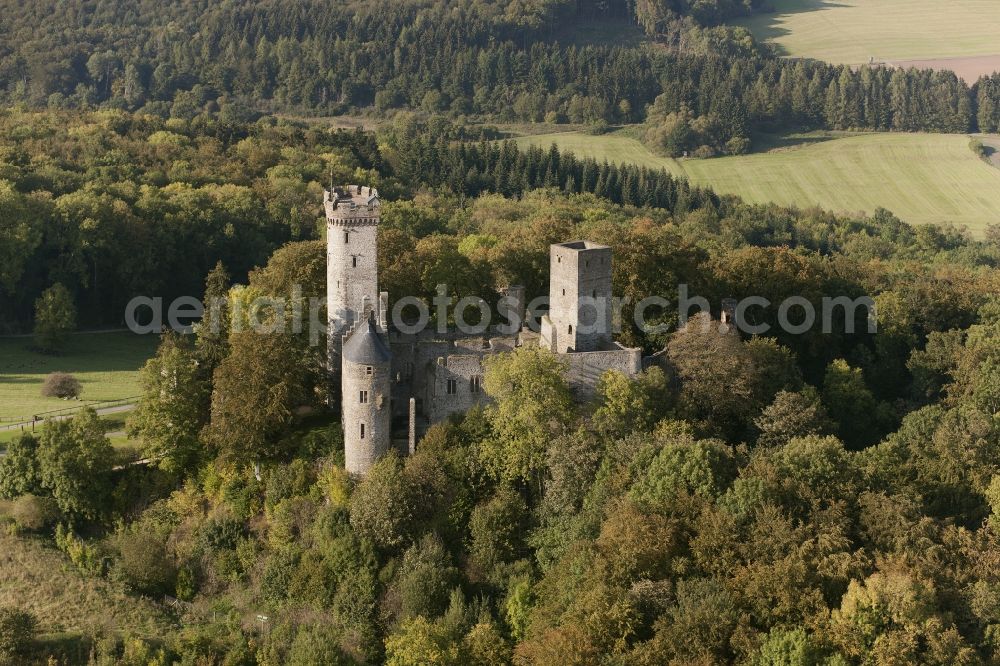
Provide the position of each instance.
(352, 217)
(366, 372)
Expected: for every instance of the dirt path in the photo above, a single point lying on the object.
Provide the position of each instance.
(967, 68)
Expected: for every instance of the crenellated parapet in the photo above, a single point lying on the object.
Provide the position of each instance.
(352, 205)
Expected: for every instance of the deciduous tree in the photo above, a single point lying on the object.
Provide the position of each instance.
(531, 404)
(74, 463)
(174, 406)
(55, 316)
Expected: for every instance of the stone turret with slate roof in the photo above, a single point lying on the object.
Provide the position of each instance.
(366, 367)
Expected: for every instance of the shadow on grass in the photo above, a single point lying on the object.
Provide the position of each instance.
(766, 142)
(764, 23)
(111, 352)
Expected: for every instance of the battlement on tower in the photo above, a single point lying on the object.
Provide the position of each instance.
(352, 204)
(581, 245)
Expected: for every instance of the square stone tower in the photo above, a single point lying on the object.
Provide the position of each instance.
(580, 307)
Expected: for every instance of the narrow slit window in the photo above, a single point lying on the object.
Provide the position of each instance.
(362, 431)
(354, 261)
(347, 238)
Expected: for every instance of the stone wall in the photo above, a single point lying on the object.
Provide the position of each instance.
(456, 386)
(351, 270)
(423, 363)
(584, 369)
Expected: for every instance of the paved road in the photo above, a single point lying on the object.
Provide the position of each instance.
(100, 330)
(100, 412)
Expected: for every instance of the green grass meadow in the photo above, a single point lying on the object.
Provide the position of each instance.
(852, 31)
(922, 178)
(107, 365)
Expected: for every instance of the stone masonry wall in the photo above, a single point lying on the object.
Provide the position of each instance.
(460, 371)
(351, 267)
(584, 369)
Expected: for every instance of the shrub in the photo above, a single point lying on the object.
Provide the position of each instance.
(554, 118)
(738, 145)
(17, 629)
(84, 556)
(187, 584)
(19, 474)
(222, 532)
(977, 147)
(61, 385)
(287, 481)
(277, 575)
(599, 127)
(703, 152)
(145, 563)
(290, 520)
(34, 513)
(315, 644)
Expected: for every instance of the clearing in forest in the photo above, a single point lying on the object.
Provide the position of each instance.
(960, 35)
(922, 178)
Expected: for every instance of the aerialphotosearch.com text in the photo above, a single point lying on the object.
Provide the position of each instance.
(474, 315)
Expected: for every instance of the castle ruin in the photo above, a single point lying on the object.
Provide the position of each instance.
(392, 385)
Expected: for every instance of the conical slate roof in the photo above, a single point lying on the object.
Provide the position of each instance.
(365, 346)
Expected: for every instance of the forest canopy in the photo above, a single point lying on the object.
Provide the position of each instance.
(792, 498)
(504, 61)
